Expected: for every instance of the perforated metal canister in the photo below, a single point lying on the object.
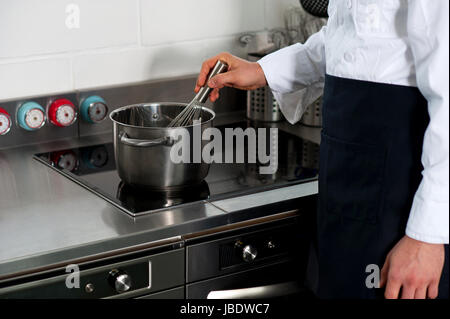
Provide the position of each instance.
(261, 105)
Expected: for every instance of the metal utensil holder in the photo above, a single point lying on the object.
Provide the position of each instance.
(313, 114)
(261, 105)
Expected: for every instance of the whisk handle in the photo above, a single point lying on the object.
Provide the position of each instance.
(204, 92)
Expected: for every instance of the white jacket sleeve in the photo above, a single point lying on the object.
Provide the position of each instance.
(428, 33)
(296, 75)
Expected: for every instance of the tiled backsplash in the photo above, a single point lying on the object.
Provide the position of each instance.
(51, 46)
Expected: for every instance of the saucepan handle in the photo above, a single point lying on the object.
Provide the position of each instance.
(124, 139)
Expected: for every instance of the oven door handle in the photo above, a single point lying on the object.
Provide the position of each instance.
(261, 292)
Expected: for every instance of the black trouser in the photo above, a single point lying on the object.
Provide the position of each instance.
(370, 169)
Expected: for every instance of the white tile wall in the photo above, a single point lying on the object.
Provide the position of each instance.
(148, 63)
(38, 77)
(32, 27)
(119, 41)
(198, 19)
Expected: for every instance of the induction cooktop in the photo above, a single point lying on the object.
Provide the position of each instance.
(93, 167)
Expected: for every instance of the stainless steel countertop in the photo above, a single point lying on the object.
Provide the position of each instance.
(45, 218)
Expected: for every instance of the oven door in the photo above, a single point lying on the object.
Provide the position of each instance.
(278, 280)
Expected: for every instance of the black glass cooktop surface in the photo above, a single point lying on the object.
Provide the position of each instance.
(93, 167)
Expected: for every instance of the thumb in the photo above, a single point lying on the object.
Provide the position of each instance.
(220, 80)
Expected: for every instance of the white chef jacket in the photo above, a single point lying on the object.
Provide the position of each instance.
(403, 42)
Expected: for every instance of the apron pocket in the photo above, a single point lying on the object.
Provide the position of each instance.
(351, 177)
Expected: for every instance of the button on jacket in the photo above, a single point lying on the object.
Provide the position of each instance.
(398, 42)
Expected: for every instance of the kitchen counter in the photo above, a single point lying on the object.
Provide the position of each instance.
(46, 219)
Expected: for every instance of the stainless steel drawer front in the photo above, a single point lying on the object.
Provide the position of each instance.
(176, 293)
(245, 251)
(139, 275)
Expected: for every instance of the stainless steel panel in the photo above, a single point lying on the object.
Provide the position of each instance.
(176, 293)
(17, 136)
(148, 274)
(268, 197)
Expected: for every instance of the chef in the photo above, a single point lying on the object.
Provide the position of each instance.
(383, 68)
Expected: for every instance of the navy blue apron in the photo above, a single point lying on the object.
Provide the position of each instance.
(370, 168)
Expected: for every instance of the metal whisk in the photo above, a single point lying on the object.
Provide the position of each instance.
(193, 110)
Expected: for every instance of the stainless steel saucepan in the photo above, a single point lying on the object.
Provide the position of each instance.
(142, 144)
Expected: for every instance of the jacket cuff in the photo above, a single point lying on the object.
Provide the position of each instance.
(267, 63)
(428, 221)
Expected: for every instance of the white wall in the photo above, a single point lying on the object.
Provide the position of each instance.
(119, 41)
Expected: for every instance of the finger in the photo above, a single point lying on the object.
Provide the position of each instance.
(214, 95)
(208, 65)
(421, 293)
(392, 289)
(206, 68)
(433, 290)
(214, 98)
(224, 79)
(408, 292)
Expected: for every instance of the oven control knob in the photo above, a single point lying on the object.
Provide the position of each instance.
(62, 113)
(31, 116)
(119, 280)
(249, 253)
(5, 122)
(94, 109)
